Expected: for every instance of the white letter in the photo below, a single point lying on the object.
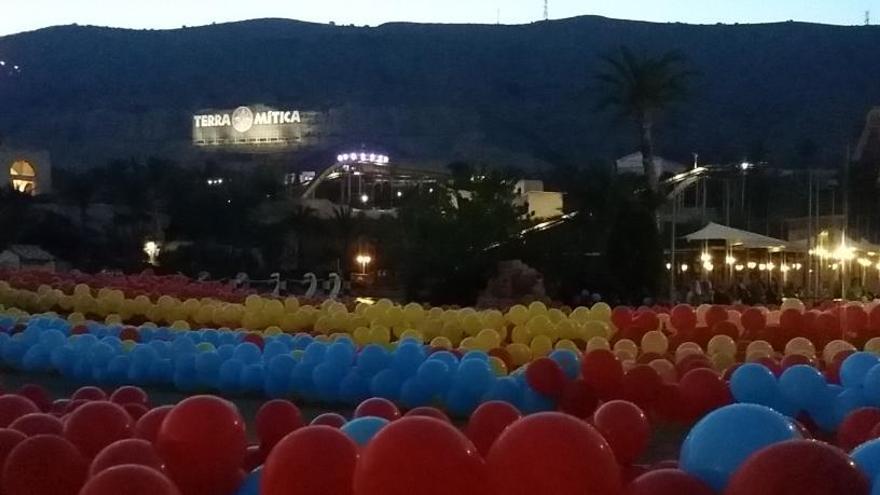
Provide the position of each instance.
(296, 117)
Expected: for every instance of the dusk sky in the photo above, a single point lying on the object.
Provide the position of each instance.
(21, 15)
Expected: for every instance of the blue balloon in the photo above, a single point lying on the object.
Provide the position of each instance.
(447, 357)
(407, 358)
(505, 389)
(229, 375)
(117, 370)
(327, 377)
(568, 361)
(251, 485)
(755, 384)
(867, 459)
(208, 368)
(475, 376)
(314, 353)
(475, 354)
(386, 384)
(226, 351)
(247, 353)
(461, 403)
(362, 430)
(855, 368)
(720, 442)
(872, 385)
(532, 402)
(162, 371)
(185, 375)
(415, 394)
(252, 378)
(434, 375)
(802, 385)
(301, 380)
(848, 401)
(372, 359)
(340, 354)
(274, 348)
(354, 388)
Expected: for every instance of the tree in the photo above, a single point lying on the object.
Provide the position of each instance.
(640, 87)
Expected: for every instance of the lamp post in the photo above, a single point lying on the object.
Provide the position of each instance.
(364, 260)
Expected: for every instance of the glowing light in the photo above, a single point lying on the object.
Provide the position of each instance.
(364, 260)
(152, 250)
(708, 266)
(865, 262)
(669, 266)
(684, 267)
(399, 194)
(705, 257)
(771, 266)
(364, 198)
(752, 265)
(844, 253)
(739, 268)
(730, 260)
(762, 267)
(784, 268)
(745, 166)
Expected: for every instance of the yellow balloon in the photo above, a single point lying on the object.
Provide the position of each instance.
(180, 325)
(601, 312)
(834, 347)
(581, 315)
(488, 339)
(521, 335)
(469, 344)
(113, 320)
(655, 342)
(413, 335)
(596, 343)
(498, 366)
(800, 345)
(721, 344)
(665, 369)
(873, 345)
(362, 336)
(205, 346)
(628, 346)
(128, 345)
(273, 330)
(441, 343)
(721, 361)
(755, 355)
(520, 353)
(687, 349)
(567, 344)
(759, 346)
(541, 346)
(379, 335)
(76, 318)
(625, 356)
(537, 308)
(291, 304)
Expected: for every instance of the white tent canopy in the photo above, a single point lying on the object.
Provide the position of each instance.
(736, 237)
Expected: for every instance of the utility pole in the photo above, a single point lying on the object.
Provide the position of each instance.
(867, 18)
(546, 10)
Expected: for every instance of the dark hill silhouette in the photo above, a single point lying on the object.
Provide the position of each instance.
(513, 94)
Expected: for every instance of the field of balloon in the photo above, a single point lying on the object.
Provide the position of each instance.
(522, 400)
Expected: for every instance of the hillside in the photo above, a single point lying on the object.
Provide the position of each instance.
(517, 94)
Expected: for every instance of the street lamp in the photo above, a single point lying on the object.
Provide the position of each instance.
(152, 249)
(364, 260)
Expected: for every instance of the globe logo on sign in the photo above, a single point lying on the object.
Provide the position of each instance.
(242, 119)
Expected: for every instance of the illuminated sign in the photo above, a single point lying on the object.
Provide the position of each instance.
(250, 125)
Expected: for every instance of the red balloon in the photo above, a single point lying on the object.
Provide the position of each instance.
(791, 321)
(148, 425)
(314, 460)
(603, 372)
(59, 406)
(129, 395)
(135, 410)
(253, 458)
(431, 412)
(726, 328)
(692, 362)
(683, 318)
(753, 321)
(668, 482)
(796, 359)
(89, 393)
(546, 377)
(13, 407)
(43, 465)
(798, 467)
(203, 443)
(130, 333)
(625, 428)
(38, 424)
(874, 320)
(128, 451)
(646, 321)
(856, 319)
(38, 395)
(703, 391)
(254, 339)
(8, 440)
(552, 453)
(715, 315)
(96, 425)
(622, 317)
(856, 428)
(488, 422)
(329, 419)
(670, 405)
(435, 457)
(642, 385)
(130, 479)
(381, 408)
(578, 399)
(275, 420)
(73, 405)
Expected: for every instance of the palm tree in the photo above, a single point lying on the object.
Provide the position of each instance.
(640, 87)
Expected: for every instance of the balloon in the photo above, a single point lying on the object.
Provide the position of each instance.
(130, 479)
(202, 441)
(408, 446)
(96, 425)
(603, 372)
(329, 419)
(528, 458)
(668, 482)
(867, 458)
(252, 484)
(378, 407)
(13, 407)
(798, 467)
(254, 457)
(856, 427)
(703, 390)
(488, 422)
(642, 385)
(89, 393)
(37, 394)
(578, 399)
(855, 367)
(314, 460)
(128, 451)
(147, 427)
(625, 428)
(802, 385)
(754, 383)
(43, 465)
(720, 442)
(129, 395)
(363, 429)
(431, 412)
(38, 424)
(275, 419)
(8, 440)
(135, 410)
(546, 377)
